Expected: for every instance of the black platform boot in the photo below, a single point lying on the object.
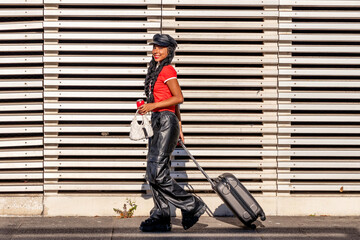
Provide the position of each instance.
(155, 225)
(189, 219)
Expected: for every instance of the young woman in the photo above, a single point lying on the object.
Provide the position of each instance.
(163, 96)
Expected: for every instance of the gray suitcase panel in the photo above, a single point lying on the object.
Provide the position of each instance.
(234, 195)
(238, 199)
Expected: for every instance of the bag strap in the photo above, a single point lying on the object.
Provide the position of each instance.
(142, 117)
(145, 133)
(197, 164)
(142, 124)
(136, 113)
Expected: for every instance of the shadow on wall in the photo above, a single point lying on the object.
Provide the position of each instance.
(223, 211)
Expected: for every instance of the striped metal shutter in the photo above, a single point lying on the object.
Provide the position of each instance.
(319, 97)
(271, 93)
(21, 97)
(96, 56)
(227, 68)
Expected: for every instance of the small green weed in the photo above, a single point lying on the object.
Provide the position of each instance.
(126, 213)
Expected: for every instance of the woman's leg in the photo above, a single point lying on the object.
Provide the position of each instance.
(164, 188)
(161, 209)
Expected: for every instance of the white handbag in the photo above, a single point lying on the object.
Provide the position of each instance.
(142, 130)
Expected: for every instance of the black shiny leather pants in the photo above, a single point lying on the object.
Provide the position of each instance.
(163, 187)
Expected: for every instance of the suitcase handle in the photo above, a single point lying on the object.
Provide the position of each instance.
(197, 164)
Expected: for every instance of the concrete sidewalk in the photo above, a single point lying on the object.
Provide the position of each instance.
(311, 227)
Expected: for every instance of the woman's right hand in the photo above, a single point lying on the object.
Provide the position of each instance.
(147, 107)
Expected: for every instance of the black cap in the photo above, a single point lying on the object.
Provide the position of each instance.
(163, 40)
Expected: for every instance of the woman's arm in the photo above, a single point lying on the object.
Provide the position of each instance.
(176, 98)
(177, 113)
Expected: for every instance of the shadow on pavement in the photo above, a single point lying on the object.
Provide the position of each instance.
(201, 231)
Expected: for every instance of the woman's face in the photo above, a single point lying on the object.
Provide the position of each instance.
(159, 52)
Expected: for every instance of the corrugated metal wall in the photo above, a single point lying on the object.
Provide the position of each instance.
(319, 121)
(96, 56)
(21, 97)
(227, 67)
(271, 93)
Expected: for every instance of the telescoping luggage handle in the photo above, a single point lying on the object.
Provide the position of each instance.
(197, 164)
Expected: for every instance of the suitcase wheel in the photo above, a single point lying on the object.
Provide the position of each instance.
(253, 226)
(262, 217)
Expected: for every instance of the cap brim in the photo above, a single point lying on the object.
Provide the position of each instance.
(157, 43)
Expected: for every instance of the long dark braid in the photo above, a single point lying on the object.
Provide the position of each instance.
(153, 73)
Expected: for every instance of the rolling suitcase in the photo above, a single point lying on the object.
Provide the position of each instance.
(234, 195)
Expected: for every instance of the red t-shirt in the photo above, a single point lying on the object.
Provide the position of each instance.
(161, 90)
